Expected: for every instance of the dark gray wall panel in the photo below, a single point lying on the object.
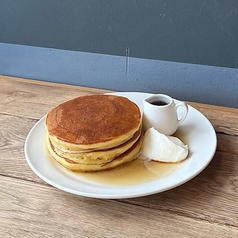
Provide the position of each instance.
(191, 31)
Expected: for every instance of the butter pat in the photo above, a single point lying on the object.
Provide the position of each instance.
(159, 147)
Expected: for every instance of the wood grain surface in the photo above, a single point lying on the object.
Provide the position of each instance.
(206, 206)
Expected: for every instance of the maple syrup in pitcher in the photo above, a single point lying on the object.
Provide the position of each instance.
(159, 103)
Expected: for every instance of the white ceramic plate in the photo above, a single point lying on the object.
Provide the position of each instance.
(196, 128)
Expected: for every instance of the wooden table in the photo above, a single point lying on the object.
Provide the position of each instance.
(206, 206)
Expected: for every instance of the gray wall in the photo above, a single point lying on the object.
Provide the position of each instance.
(191, 31)
(186, 48)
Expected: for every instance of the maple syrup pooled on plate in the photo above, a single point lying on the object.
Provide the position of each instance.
(132, 173)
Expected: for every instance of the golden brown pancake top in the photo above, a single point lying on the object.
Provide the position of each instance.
(93, 119)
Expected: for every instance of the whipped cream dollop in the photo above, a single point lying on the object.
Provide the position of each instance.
(159, 147)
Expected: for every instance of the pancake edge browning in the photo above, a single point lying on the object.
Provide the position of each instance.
(92, 147)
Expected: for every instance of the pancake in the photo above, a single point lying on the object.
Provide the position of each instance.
(126, 157)
(98, 156)
(94, 132)
(93, 122)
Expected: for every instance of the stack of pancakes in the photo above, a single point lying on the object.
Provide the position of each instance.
(94, 132)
